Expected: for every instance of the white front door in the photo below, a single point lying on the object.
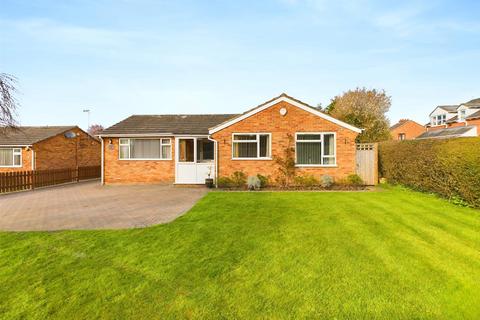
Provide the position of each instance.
(194, 160)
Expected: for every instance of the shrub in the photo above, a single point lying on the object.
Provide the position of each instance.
(264, 180)
(326, 181)
(253, 183)
(224, 182)
(239, 179)
(306, 180)
(449, 167)
(286, 164)
(354, 180)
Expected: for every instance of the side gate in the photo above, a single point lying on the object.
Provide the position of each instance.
(367, 162)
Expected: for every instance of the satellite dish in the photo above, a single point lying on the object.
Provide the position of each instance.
(70, 135)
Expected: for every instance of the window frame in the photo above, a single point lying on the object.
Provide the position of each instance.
(322, 155)
(462, 115)
(439, 119)
(257, 140)
(15, 152)
(146, 159)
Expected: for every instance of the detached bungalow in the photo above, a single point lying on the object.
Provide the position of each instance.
(42, 148)
(186, 149)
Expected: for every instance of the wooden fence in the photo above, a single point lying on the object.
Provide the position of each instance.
(29, 180)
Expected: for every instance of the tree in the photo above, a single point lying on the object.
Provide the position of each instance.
(365, 109)
(8, 103)
(95, 129)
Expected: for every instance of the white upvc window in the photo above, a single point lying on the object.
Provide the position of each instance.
(10, 157)
(439, 119)
(315, 149)
(145, 149)
(462, 114)
(252, 146)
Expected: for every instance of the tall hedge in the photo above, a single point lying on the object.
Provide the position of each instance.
(449, 167)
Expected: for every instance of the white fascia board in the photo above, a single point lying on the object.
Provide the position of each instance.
(292, 102)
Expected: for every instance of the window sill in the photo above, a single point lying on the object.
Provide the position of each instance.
(145, 159)
(316, 166)
(250, 159)
(11, 166)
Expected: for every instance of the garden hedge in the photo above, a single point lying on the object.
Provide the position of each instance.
(449, 167)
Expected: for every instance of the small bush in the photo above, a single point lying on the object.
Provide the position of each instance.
(264, 180)
(224, 182)
(326, 181)
(354, 180)
(306, 180)
(239, 179)
(253, 183)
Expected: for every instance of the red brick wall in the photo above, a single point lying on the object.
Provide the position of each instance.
(136, 171)
(59, 152)
(26, 162)
(296, 120)
(410, 128)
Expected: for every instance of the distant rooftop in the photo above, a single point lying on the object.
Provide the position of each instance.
(20, 136)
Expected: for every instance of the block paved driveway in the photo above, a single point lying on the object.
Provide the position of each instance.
(88, 205)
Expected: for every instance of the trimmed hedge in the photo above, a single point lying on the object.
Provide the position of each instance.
(449, 167)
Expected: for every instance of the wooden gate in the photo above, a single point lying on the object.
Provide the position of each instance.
(367, 162)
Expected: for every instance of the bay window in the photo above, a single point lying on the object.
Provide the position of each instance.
(315, 149)
(10, 157)
(251, 146)
(145, 149)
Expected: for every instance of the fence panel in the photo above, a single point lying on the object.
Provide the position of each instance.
(29, 180)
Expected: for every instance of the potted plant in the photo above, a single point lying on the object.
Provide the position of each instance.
(209, 180)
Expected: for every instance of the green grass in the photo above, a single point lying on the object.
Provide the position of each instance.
(394, 254)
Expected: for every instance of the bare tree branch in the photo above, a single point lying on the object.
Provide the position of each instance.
(8, 102)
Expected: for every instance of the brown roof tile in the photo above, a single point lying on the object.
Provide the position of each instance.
(20, 136)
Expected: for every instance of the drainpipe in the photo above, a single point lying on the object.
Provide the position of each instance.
(101, 162)
(215, 155)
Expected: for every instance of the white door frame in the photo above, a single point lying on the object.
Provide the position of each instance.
(195, 160)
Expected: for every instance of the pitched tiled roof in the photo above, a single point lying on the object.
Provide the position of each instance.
(21, 136)
(449, 108)
(446, 133)
(475, 115)
(166, 124)
(402, 122)
(473, 102)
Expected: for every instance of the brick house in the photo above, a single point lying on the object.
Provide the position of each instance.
(406, 129)
(453, 121)
(186, 149)
(49, 147)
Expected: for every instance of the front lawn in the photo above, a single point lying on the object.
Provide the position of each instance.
(393, 254)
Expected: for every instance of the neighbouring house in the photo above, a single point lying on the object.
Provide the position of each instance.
(453, 121)
(48, 147)
(406, 129)
(186, 149)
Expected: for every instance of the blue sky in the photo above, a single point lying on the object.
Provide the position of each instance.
(126, 57)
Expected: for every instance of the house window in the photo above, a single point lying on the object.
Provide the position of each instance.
(401, 136)
(10, 157)
(439, 119)
(462, 115)
(205, 149)
(317, 149)
(145, 149)
(251, 146)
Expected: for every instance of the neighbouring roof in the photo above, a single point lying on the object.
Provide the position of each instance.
(475, 115)
(25, 136)
(402, 122)
(166, 124)
(473, 102)
(446, 133)
(449, 108)
(271, 102)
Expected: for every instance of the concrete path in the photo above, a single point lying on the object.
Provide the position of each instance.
(89, 205)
